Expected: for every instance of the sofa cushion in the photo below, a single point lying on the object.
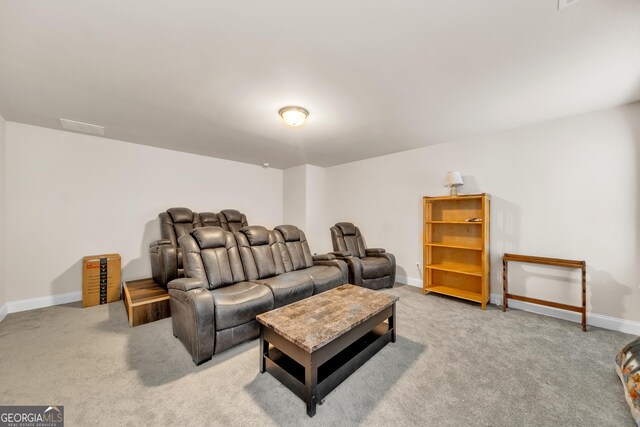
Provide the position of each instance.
(256, 235)
(374, 267)
(209, 219)
(347, 228)
(290, 233)
(232, 215)
(378, 283)
(210, 237)
(289, 287)
(295, 254)
(262, 258)
(240, 303)
(324, 277)
(181, 214)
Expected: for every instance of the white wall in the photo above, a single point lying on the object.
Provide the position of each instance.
(294, 196)
(71, 195)
(304, 204)
(566, 189)
(3, 165)
(317, 232)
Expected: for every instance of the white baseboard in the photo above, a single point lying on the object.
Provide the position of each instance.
(4, 310)
(48, 301)
(593, 319)
(599, 320)
(411, 281)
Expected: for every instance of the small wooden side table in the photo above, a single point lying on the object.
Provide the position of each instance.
(545, 261)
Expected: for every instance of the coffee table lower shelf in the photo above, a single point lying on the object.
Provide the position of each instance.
(314, 375)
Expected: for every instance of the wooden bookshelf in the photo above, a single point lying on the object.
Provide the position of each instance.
(456, 250)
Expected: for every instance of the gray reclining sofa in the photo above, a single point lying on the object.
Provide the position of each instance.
(232, 277)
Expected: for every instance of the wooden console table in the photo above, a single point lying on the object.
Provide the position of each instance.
(546, 261)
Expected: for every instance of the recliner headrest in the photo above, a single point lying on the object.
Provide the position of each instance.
(291, 233)
(232, 215)
(209, 218)
(256, 235)
(210, 237)
(180, 214)
(347, 228)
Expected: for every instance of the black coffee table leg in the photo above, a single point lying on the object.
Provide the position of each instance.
(311, 385)
(264, 349)
(392, 323)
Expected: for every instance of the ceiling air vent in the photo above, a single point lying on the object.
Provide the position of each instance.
(74, 126)
(566, 3)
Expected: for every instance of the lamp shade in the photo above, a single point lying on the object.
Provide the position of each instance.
(454, 178)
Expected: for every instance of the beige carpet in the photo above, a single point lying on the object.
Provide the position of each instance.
(452, 365)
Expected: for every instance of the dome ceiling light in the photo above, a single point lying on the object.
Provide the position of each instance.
(293, 116)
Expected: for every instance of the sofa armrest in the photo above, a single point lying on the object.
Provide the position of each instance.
(186, 284)
(338, 263)
(323, 257)
(164, 262)
(372, 251)
(193, 321)
(341, 254)
(392, 264)
(160, 242)
(355, 269)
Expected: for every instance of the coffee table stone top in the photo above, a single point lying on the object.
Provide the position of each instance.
(318, 320)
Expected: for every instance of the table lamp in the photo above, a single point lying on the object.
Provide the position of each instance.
(454, 179)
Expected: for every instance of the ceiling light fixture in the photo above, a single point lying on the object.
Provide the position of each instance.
(293, 116)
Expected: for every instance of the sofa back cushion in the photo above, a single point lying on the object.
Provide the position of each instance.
(177, 222)
(346, 237)
(232, 220)
(259, 252)
(296, 254)
(211, 255)
(209, 219)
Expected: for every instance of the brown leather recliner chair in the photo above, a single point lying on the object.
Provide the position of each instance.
(166, 256)
(372, 268)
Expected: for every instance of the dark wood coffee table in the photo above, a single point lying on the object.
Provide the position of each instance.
(312, 345)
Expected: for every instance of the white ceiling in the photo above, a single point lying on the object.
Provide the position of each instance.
(378, 77)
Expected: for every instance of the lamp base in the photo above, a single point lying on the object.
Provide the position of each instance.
(453, 191)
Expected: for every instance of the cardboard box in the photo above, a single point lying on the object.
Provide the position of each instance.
(100, 279)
